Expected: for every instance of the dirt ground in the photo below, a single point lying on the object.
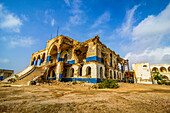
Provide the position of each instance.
(65, 97)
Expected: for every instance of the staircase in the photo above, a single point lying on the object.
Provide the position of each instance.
(24, 80)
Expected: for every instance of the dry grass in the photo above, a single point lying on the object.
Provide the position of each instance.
(79, 98)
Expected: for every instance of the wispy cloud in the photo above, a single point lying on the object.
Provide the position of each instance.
(18, 41)
(150, 39)
(105, 17)
(9, 21)
(52, 22)
(126, 28)
(67, 2)
(49, 19)
(4, 60)
(99, 32)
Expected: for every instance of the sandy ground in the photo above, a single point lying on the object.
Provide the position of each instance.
(65, 97)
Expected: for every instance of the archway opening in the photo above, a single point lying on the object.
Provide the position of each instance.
(101, 73)
(53, 54)
(114, 74)
(111, 74)
(169, 69)
(88, 70)
(65, 58)
(155, 69)
(163, 69)
(72, 72)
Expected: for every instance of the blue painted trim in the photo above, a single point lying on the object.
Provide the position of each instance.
(89, 80)
(122, 68)
(40, 62)
(60, 77)
(52, 78)
(71, 62)
(35, 62)
(58, 57)
(32, 63)
(93, 58)
(1, 77)
(110, 64)
(48, 58)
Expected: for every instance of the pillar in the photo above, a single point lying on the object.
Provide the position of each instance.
(40, 62)
(35, 62)
(48, 58)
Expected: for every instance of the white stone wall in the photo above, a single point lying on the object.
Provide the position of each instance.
(93, 70)
(98, 70)
(142, 73)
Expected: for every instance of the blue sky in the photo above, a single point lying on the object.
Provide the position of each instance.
(135, 29)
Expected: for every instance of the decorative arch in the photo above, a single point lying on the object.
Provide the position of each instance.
(163, 69)
(52, 54)
(154, 69)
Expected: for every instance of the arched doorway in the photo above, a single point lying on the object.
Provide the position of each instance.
(115, 75)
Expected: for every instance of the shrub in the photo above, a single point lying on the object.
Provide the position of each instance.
(159, 82)
(74, 82)
(108, 83)
(81, 82)
(167, 82)
(11, 80)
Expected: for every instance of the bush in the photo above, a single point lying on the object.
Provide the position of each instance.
(81, 82)
(74, 82)
(12, 80)
(108, 83)
(167, 82)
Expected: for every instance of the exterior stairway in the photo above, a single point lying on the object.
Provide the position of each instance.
(26, 80)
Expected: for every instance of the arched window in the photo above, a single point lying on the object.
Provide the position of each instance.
(169, 69)
(155, 69)
(111, 74)
(163, 69)
(110, 59)
(101, 73)
(117, 75)
(88, 70)
(114, 74)
(53, 73)
(80, 71)
(72, 72)
(65, 58)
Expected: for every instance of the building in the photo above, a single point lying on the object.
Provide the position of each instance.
(143, 71)
(65, 59)
(4, 73)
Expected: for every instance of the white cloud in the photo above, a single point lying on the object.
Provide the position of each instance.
(126, 27)
(67, 2)
(158, 55)
(105, 17)
(21, 42)
(4, 60)
(150, 39)
(153, 26)
(77, 15)
(9, 21)
(52, 22)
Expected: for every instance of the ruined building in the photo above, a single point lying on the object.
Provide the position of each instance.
(65, 59)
